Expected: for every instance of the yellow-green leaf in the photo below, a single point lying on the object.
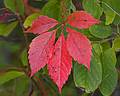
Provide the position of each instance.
(6, 29)
(5, 77)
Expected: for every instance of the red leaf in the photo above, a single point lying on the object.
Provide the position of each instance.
(81, 20)
(79, 47)
(60, 64)
(40, 51)
(42, 24)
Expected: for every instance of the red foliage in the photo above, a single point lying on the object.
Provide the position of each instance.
(42, 24)
(40, 51)
(60, 64)
(58, 56)
(81, 20)
(79, 47)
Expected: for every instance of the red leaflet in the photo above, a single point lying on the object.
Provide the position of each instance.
(40, 51)
(81, 20)
(79, 47)
(60, 64)
(42, 24)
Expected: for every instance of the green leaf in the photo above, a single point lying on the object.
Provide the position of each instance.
(109, 78)
(52, 9)
(22, 86)
(29, 19)
(69, 91)
(24, 58)
(97, 49)
(116, 20)
(5, 29)
(116, 44)
(5, 77)
(109, 82)
(16, 87)
(113, 4)
(110, 15)
(90, 80)
(10, 4)
(101, 31)
(20, 6)
(118, 63)
(106, 45)
(72, 6)
(109, 58)
(15, 6)
(93, 7)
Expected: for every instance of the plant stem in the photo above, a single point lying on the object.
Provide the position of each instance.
(26, 37)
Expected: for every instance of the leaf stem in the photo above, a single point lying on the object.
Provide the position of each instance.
(63, 14)
(25, 35)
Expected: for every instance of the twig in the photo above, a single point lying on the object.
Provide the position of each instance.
(25, 35)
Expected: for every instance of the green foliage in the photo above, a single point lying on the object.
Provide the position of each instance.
(24, 58)
(109, 78)
(110, 15)
(5, 77)
(89, 79)
(113, 4)
(116, 44)
(52, 9)
(93, 7)
(22, 85)
(10, 5)
(6, 29)
(114, 7)
(15, 6)
(101, 31)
